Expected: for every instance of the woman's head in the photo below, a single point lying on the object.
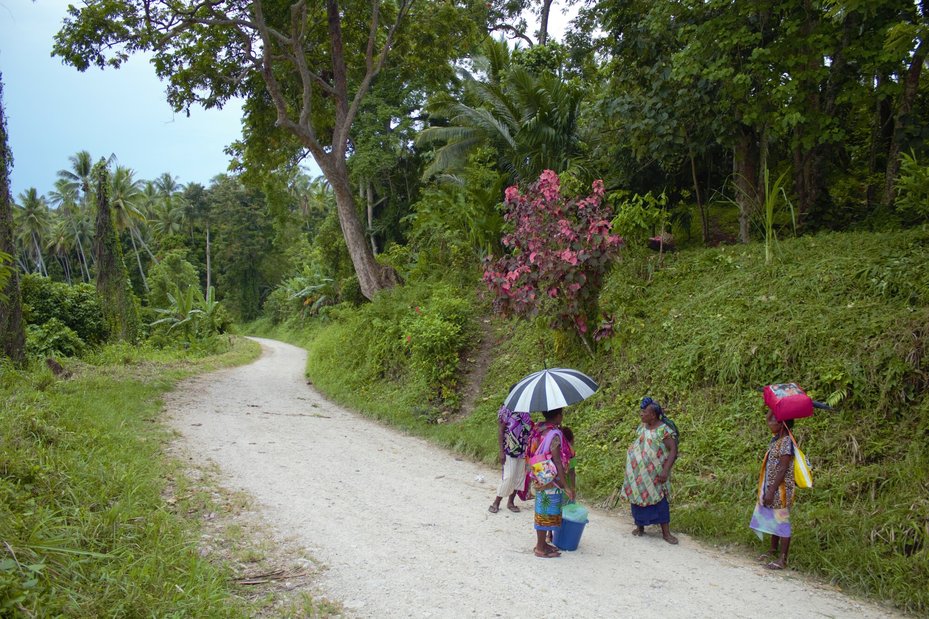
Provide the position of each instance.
(650, 411)
(776, 426)
(553, 416)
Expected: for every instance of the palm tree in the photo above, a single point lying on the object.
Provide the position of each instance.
(530, 120)
(32, 222)
(65, 199)
(59, 243)
(78, 177)
(125, 195)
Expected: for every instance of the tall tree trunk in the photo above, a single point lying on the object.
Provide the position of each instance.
(370, 203)
(881, 134)
(704, 219)
(904, 107)
(39, 261)
(745, 177)
(208, 274)
(138, 260)
(12, 330)
(543, 21)
(116, 298)
(82, 258)
(372, 277)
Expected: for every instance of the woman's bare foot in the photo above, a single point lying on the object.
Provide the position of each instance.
(494, 508)
(638, 531)
(670, 539)
(512, 508)
(767, 557)
(546, 553)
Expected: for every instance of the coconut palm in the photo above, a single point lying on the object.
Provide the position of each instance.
(78, 178)
(32, 223)
(125, 196)
(64, 197)
(59, 244)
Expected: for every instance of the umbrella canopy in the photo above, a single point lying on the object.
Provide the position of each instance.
(550, 389)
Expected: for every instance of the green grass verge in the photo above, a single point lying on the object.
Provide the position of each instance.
(84, 528)
(844, 315)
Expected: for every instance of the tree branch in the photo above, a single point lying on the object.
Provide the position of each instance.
(373, 68)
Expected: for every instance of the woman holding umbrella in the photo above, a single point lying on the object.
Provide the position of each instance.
(549, 498)
(549, 390)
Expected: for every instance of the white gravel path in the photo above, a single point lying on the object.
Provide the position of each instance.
(403, 525)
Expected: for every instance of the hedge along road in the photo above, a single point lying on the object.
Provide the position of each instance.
(403, 529)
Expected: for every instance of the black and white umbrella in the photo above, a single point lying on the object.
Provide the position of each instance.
(550, 389)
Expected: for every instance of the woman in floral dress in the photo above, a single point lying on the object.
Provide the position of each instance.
(648, 469)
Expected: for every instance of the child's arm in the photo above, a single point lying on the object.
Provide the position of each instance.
(783, 465)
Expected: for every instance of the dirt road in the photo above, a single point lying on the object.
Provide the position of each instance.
(403, 526)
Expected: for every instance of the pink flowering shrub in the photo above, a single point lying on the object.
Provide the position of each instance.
(557, 254)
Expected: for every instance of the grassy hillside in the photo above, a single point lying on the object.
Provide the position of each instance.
(844, 315)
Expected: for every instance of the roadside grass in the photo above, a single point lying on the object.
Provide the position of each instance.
(85, 529)
(844, 315)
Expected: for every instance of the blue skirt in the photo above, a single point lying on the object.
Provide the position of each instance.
(659, 513)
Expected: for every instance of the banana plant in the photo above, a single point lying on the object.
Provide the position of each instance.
(183, 313)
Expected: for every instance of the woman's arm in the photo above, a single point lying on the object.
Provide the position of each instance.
(559, 466)
(783, 465)
(671, 445)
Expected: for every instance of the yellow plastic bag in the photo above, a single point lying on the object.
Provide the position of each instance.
(803, 476)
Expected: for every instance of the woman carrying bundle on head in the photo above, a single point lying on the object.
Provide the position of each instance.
(648, 470)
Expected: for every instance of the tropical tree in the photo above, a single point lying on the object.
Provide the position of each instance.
(33, 223)
(125, 195)
(78, 178)
(304, 71)
(529, 119)
(115, 293)
(59, 244)
(12, 330)
(74, 219)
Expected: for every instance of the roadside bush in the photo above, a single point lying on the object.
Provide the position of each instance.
(436, 335)
(76, 306)
(53, 339)
(172, 272)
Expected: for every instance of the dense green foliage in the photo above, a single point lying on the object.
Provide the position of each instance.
(85, 527)
(74, 306)
(843, 315)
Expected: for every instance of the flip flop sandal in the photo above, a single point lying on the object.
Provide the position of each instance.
(493, 509)
(513, 509)
(773, 565)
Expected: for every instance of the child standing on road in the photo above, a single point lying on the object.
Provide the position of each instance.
(776, 494)
(513, 434)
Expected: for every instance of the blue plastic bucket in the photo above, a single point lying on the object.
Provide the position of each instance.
(568, 536)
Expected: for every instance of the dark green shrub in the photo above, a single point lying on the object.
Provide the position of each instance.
(52, 339)
(172, 272)
(76, 306)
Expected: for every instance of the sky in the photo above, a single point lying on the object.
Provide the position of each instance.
(53, 110)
